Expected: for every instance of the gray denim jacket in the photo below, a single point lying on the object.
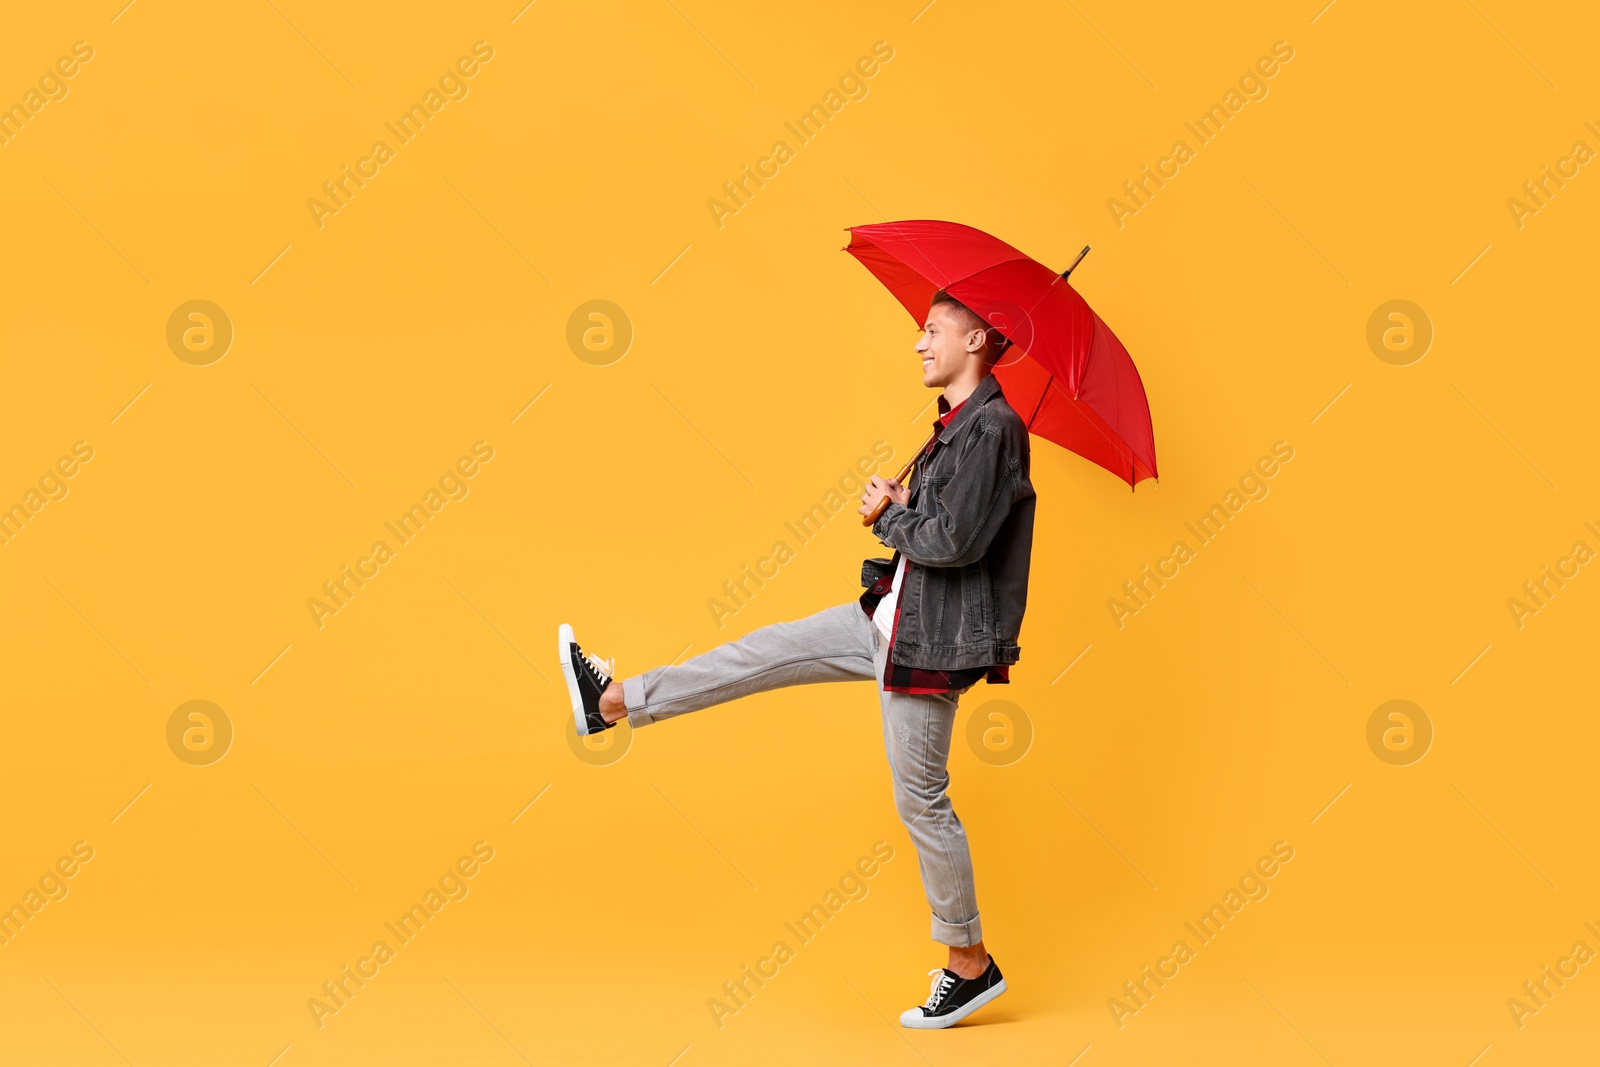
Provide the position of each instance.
(967, 535)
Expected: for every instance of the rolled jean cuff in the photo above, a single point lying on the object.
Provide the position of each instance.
(633, 700)
(957, 935)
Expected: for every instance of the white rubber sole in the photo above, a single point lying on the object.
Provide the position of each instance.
(914, 1019)
(564, 641)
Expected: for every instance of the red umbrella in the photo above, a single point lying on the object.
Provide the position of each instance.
(1066, 374)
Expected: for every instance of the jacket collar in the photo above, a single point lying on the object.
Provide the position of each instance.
(987, 387)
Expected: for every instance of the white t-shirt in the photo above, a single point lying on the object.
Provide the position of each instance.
(883, 614)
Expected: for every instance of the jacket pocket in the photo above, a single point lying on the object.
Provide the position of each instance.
(875, 568)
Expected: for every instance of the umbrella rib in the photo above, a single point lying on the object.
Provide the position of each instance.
(1040, 403)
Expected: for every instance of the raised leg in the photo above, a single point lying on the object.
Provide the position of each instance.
(832, 645)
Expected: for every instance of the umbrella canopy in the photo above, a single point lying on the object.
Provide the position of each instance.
(1066, 373)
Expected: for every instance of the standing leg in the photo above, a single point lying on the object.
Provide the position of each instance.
(916, 734)
(833, 645)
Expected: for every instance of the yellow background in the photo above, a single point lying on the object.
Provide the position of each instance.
(426, 715)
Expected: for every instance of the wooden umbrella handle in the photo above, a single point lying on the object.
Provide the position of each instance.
(884, 503)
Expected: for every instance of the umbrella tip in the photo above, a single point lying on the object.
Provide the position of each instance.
(1073, 265)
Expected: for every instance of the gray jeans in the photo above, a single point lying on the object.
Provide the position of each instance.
(840, 644)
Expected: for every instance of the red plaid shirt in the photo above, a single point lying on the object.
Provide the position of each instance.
(901, 679)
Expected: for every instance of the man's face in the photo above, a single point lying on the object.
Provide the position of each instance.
(943, 347)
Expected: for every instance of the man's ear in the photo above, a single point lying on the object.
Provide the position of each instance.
(976, 340)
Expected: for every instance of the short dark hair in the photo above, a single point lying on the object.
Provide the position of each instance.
(995, 343)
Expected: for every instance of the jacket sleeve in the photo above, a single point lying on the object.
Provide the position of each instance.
(975, 503)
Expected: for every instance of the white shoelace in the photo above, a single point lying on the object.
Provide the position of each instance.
(938, 988)
(606, 668)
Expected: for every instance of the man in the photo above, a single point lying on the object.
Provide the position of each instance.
(935, 619)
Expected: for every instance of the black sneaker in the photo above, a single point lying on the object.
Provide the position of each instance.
(952, 998)
(587, 677)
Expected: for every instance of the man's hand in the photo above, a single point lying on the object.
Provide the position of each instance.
(879, 488)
